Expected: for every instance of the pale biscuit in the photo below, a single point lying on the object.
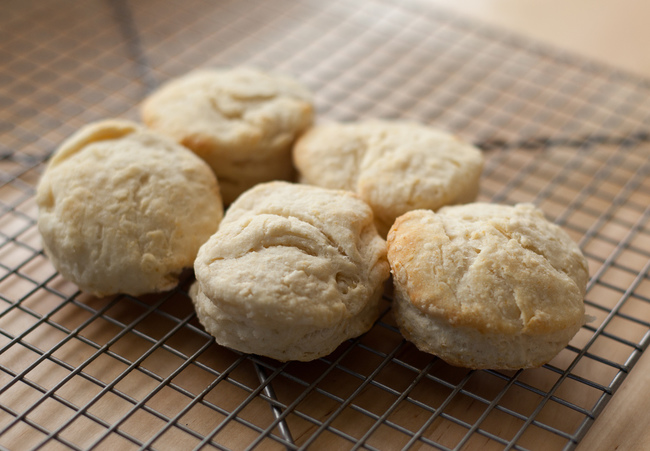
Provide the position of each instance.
(124, 210)
(242, 122)
(486, 286)
(292, 272)
(394, 166)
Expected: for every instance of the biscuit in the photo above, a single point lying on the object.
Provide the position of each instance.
(485, 285)
(124, 210)
(242, 122)
(394, 166)
(293, 271)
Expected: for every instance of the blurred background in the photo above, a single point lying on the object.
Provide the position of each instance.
(609, 31)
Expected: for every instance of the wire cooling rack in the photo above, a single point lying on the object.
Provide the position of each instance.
(79, 372)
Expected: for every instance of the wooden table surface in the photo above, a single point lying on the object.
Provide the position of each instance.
(615, 33)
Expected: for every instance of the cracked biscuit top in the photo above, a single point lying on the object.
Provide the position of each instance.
(241, 121)
(124, 210)
(493, 268)
(295, 255)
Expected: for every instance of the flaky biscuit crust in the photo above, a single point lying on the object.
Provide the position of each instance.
(241, 121)
(124, 210)
(293, 272)
(394, 166)
(502, 275)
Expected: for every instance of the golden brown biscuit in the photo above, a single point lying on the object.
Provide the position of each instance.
(486, 286)
(241, 121)
(293, 271)
(394, 166)
(124, 210)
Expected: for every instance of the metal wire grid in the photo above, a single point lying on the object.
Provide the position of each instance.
(83, 373)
